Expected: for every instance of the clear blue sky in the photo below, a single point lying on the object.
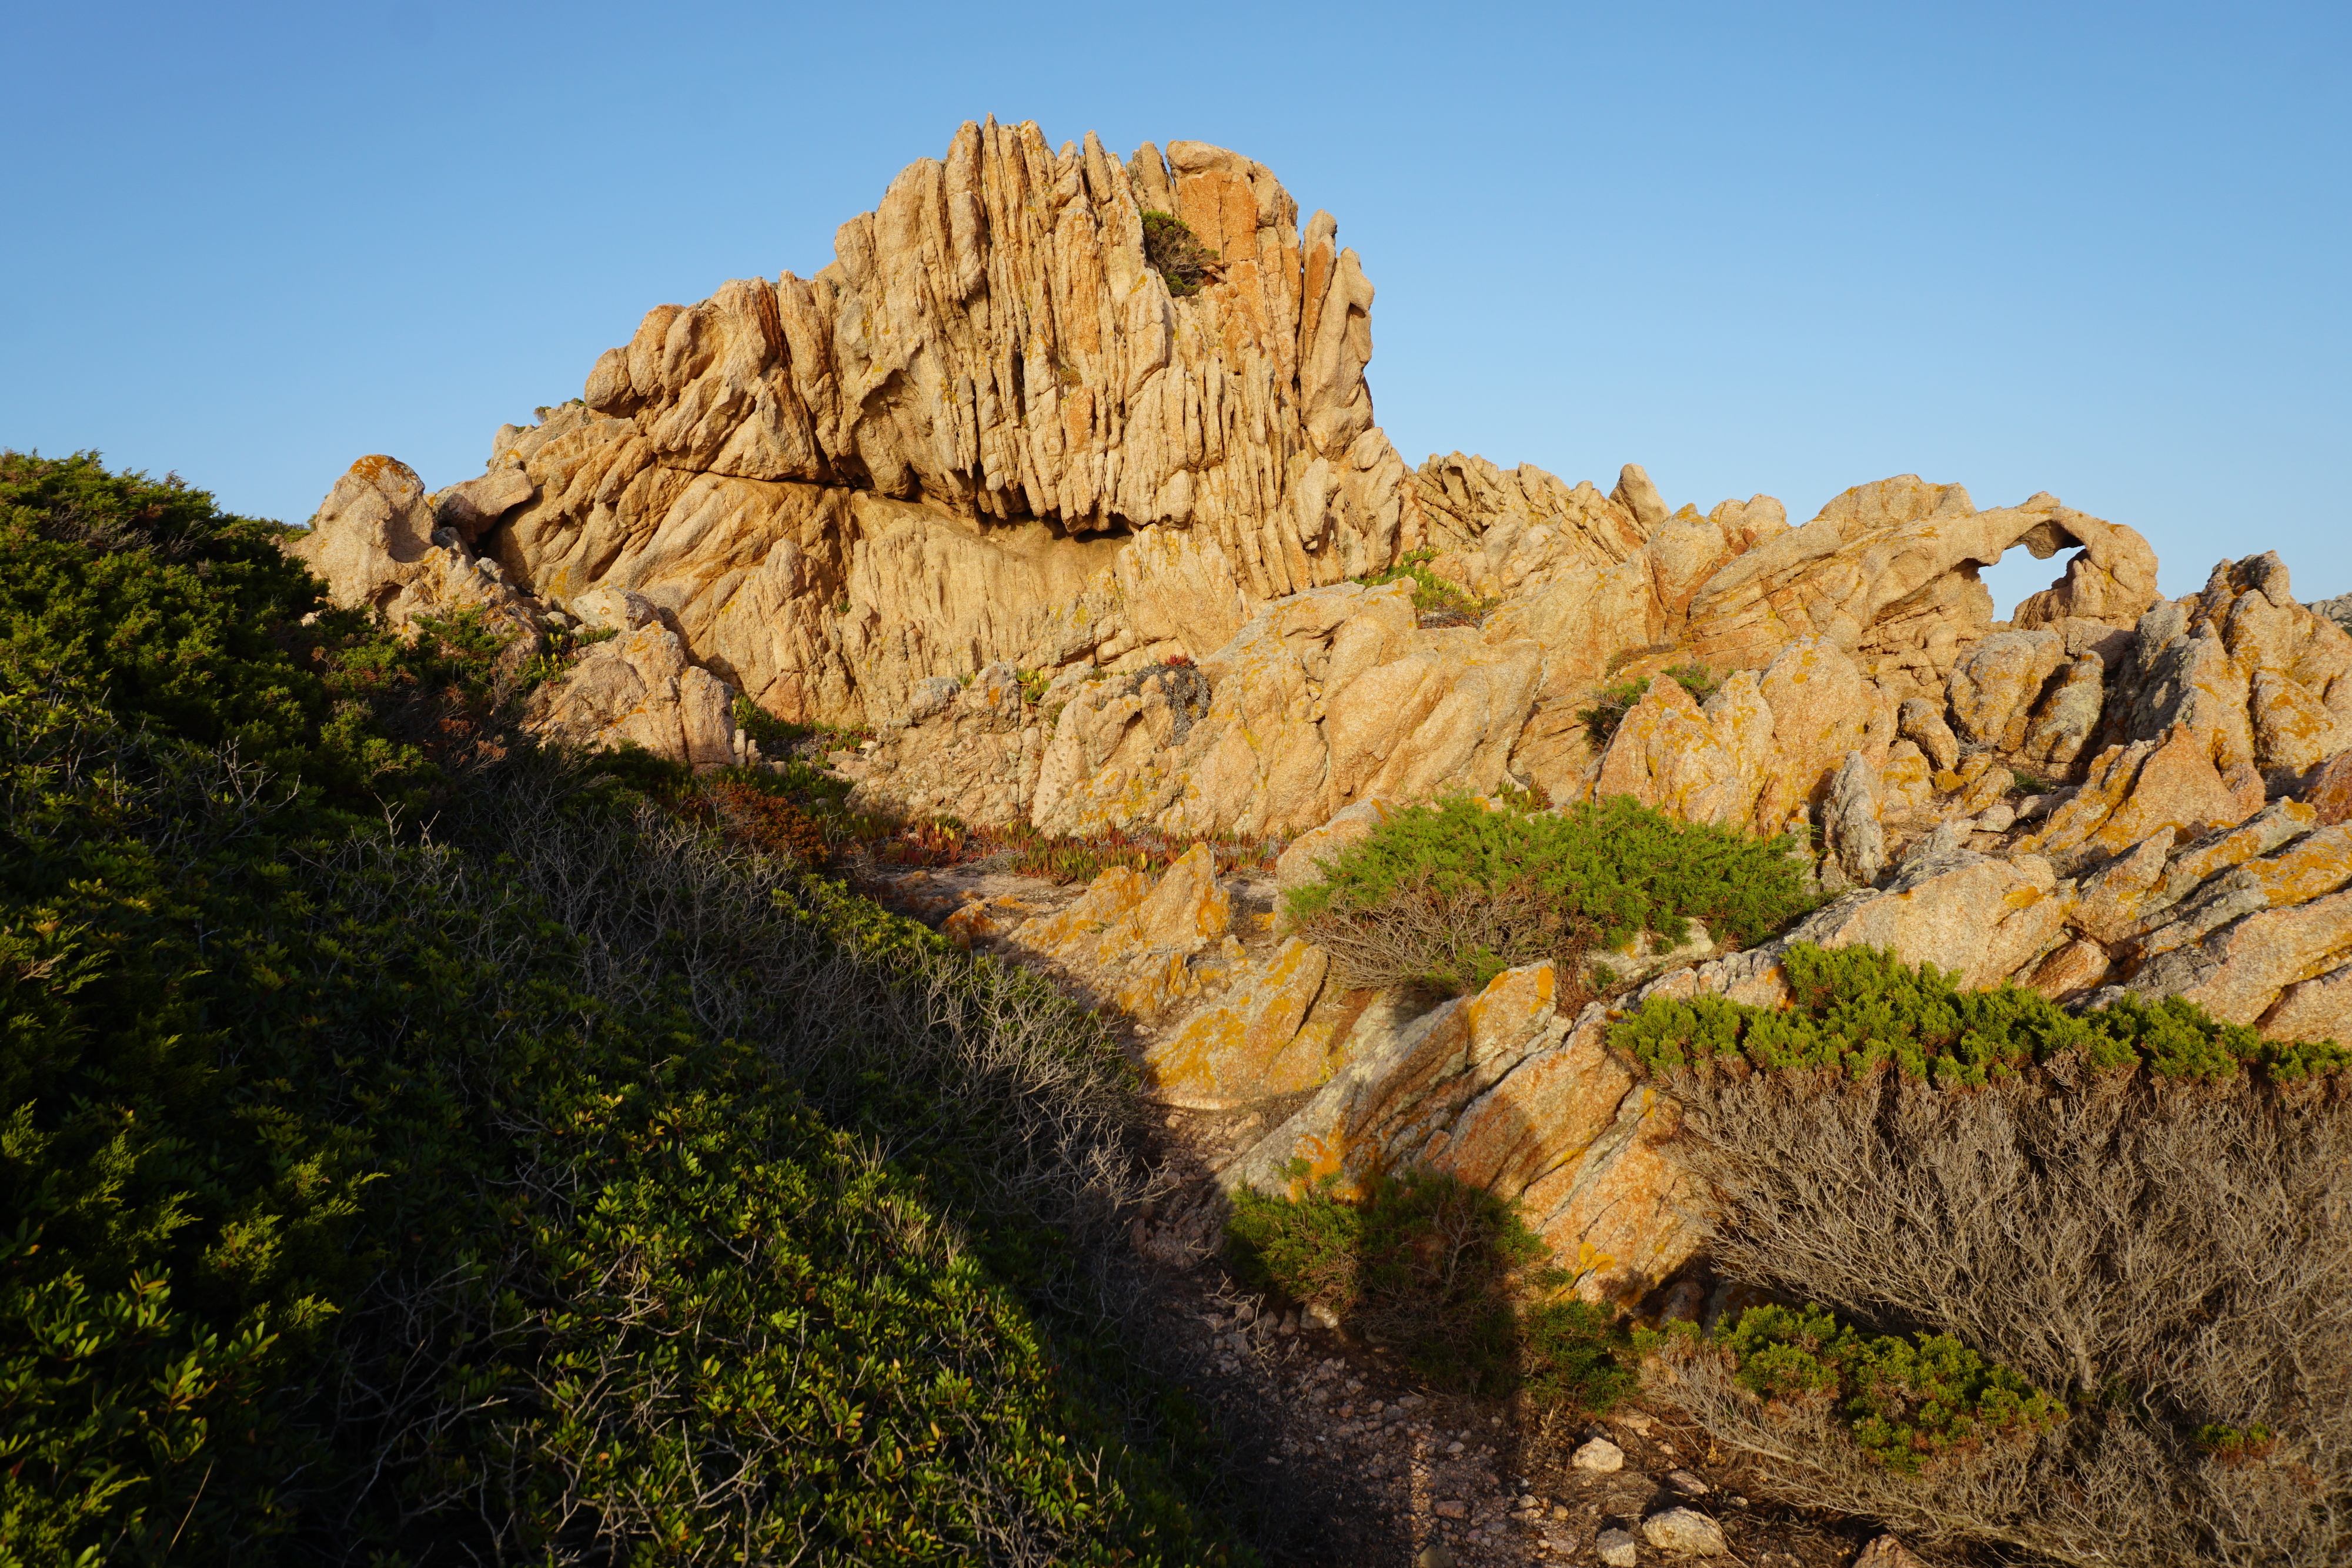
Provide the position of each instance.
(2094, 250)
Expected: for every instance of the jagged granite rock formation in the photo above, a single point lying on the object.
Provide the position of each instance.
(1088, 551)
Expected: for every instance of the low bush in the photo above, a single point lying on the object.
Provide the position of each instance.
(1437, 600)
(1857, 1010)
(581, 1183)
(1904, 1400)
(2141, 1211)
(1612, 701)
(1447, 1272)
(1451, 894)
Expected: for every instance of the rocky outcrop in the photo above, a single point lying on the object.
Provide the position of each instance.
(378, 542)
(927, 456)
(1889, 573)
(1086, 550)
(639, 690)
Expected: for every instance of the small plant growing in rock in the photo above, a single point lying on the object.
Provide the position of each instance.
(1437, 601)
(1033, 685)
(1612, 701)
(1186, 690)
(1171, 249)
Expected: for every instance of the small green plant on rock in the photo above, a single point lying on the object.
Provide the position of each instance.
(1436, 601)
(1171, 249)
(1612, 701)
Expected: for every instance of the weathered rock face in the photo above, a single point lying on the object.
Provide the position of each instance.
(1086, 553)
(378, 542)
(988, 434)
(926, 458)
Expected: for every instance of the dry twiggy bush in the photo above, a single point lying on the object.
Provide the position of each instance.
(2174, 1257)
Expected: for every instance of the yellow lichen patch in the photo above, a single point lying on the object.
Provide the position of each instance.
(971, 924)
(2317, 864)
(1239, 1048)
(2236, 848)
(1072, 933)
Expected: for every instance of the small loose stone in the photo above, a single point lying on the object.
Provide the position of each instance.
(1600, 1456)
(1684, 1531)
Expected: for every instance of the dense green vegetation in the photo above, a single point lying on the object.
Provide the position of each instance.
(1449, 1273)
(1451, 894)
(573, 1181)
(1857, 1010)
(1903, 1399)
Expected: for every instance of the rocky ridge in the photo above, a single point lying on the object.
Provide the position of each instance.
(1084, 550)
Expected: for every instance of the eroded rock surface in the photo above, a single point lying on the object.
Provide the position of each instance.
(1087, 552)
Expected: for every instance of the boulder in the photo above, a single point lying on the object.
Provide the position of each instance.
(640, 689)
(375, 542)
(1921, 722)
(1886, 1551)
(1995, 685)
(1252, 1042)
(1143, 945)
(1855, 844)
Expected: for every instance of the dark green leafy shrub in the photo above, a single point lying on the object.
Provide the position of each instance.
(1171, 249)
(379, 1128)
(1451, 894)
(1857, 1010)
(1447, 1271)
(1906, 1399)
(367, 1198)
(1612, 701)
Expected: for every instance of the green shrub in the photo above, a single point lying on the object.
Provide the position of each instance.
(1434, 598)
(1905, 1399)
(1856, 1010)
(1171, 250)
(1451, 894)
(365, 1198)
(1612, 701)
(1447, 1271)
(2138, 1208)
